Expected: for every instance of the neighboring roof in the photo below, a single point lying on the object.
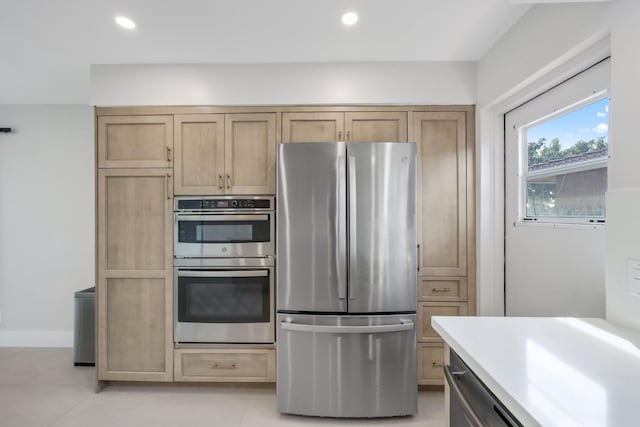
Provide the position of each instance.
(569, 160)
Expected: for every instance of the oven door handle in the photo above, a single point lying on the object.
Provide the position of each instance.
(222, 273)
(218, 218)
(469, 413)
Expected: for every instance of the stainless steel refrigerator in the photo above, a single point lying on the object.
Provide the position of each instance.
(346, 279)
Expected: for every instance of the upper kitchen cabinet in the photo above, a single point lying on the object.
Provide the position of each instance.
(225, 153)
(250, 153)
(199, 155)
(441, 139)
(363, 126)
(143, 141)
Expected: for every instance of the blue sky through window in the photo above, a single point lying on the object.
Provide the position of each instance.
(586, 123)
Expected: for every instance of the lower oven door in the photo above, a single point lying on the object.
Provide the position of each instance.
(217, 305)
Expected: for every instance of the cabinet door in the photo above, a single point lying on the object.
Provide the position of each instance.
(442, 187)
(426, 310)
(385, 126)
(134, 269)
(250, 153)
(199, 154)
(312, 127)
(135, 141)
(431, 363)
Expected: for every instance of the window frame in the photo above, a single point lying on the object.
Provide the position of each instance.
(524, 174)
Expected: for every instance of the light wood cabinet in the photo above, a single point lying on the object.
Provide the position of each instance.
(225, 153)
(134, 269)
(231, 150)
(426, 310)
(144, 141)
(442, 192)
(225, 365)
(442, 288)
(368, 126)
(250, 153)
(446, 227)
(430, 363)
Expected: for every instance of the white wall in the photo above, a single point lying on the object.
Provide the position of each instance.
(545, 37)
(47, 190)
(46, 221)
(623, 198)
(282, 84)
(546, 46)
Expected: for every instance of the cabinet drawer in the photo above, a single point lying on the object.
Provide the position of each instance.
(430, 364)
(428, 309)
(234, 365)
(442, 288)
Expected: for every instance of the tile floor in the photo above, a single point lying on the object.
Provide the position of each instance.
(41, 387)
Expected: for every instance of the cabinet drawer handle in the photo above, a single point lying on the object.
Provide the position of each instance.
(219, 365)
(437, 364)
(220, 182)
(168, 154)
(339, 135)
(441, 289)
(228, 181)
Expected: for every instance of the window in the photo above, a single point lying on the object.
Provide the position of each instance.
(564, 164)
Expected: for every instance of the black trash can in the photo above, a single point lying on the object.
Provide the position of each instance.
(84, 330)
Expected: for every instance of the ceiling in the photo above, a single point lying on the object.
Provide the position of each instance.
(47, 46)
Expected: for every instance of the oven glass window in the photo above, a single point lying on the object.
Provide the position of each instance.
(223, 231)
(223, 299)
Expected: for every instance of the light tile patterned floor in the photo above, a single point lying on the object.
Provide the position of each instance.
(41, 387)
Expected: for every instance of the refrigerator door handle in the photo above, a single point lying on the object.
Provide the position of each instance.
(341, 241)
(325, 329)
(353, 248)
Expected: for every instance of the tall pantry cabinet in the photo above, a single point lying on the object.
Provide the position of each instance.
(134, 240)
(446, 228)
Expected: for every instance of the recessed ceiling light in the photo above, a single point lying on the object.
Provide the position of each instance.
(349, 18)
(125, 22)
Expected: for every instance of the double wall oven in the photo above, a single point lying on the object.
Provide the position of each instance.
(224, 269)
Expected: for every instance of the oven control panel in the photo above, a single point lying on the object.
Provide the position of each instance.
(191, 204)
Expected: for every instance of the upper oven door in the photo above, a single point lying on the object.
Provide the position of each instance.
(224, 235)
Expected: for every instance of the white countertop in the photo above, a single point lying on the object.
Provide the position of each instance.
(552, 371)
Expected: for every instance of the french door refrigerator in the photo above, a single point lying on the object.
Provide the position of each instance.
(346, 279)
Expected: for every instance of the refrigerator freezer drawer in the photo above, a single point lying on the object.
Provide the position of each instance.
(346, 366)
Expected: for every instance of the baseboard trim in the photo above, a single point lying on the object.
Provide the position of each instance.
(36, 338)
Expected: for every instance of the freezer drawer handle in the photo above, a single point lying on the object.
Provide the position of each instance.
(469, 413)
(325, 329)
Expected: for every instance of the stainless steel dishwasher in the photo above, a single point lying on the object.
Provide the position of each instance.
(471, 402)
